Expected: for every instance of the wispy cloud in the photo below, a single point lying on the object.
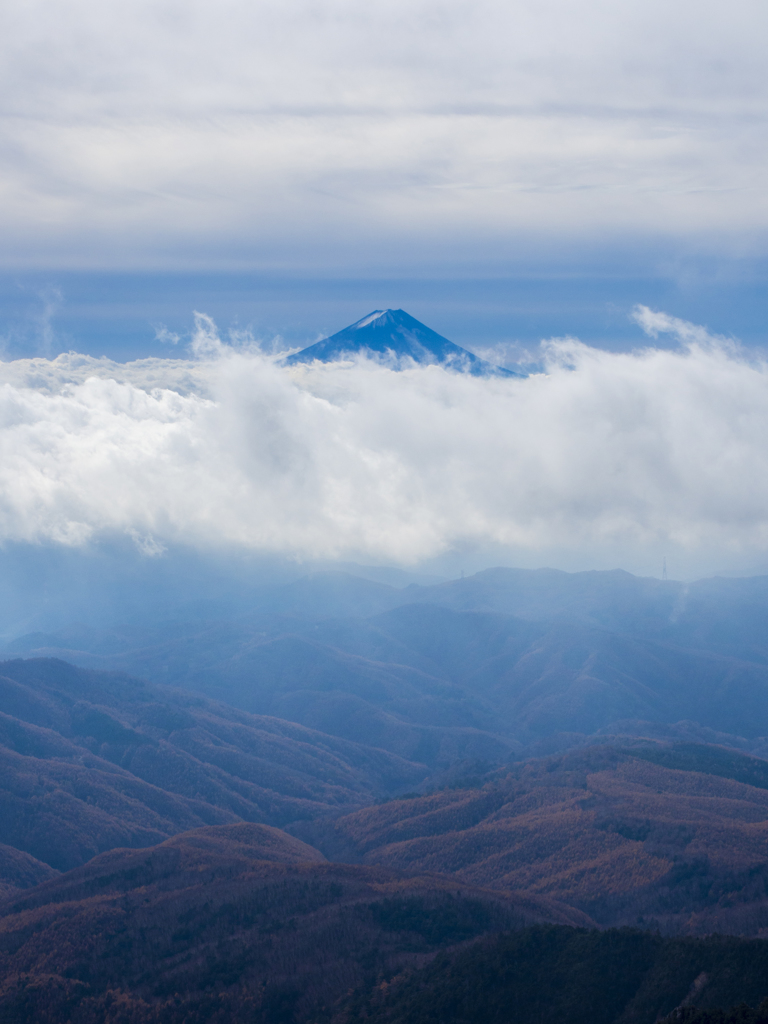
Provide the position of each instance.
(654, 323)
(165, 336)
(657, 446)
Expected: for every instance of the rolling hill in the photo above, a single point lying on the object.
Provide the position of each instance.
(664, 836)
(636, 832)
(242, 924)
(91, 761)
(232, 923)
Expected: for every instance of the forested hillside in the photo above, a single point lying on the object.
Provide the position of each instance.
(234, 923)
(245, 925)
(91, 761)
(553, 975)
(663, 836)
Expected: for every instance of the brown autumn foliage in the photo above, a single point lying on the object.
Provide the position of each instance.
(604, 830)
(237, 922)
(18, 870)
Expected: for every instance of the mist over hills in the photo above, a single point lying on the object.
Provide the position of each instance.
(92, 761)
(479, 667)
(43, 588)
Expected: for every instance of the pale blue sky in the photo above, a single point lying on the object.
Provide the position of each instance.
(119, 314)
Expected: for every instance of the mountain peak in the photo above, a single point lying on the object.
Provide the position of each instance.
(395, 335)
(377, 314)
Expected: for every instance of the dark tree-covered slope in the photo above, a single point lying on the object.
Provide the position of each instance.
(233, 923)
(551, 975)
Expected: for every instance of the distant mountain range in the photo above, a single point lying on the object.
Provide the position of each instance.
(396, 336)
(504, 662)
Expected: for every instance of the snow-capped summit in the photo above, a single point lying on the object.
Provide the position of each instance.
(393, 334)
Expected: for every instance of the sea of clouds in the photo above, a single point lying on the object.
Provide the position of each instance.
(228, 449)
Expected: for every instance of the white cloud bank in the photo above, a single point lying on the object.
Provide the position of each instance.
(293, 133)
(231, 450)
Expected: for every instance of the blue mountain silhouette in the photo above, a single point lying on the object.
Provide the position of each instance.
(393, 334)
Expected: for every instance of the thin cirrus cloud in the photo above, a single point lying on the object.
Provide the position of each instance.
(230, 450)
(292, 133)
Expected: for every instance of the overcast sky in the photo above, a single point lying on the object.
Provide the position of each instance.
(424, 149)
(310, 135)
